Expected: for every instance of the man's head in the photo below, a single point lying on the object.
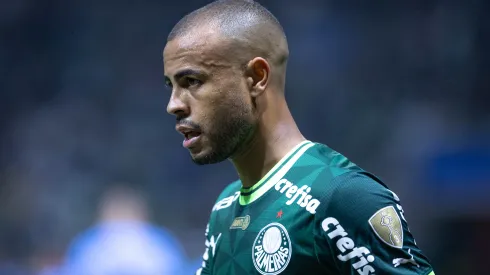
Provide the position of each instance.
(223, 62)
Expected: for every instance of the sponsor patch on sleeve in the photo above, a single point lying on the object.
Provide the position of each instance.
(388, 227)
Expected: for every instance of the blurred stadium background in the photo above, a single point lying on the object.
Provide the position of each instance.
(400, 87)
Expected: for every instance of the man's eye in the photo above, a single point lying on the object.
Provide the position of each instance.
(168, 84)
(192, 82)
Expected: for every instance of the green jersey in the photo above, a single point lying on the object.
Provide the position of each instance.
(315, 212)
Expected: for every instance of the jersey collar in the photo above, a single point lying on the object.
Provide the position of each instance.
(249, 195)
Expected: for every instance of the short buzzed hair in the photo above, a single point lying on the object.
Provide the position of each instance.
(245, 21)
(230, 15)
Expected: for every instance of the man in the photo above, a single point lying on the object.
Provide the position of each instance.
(298, 206)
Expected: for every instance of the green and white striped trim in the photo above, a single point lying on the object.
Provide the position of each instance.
(249, 195)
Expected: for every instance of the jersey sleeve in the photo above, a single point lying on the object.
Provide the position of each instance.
(361, 229)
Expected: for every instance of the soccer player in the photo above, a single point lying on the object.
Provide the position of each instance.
(299, 207)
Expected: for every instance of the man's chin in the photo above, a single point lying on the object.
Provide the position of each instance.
(203, 158)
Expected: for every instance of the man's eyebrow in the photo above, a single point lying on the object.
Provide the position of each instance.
(187, 72)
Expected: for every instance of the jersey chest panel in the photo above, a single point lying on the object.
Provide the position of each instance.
(269, 236)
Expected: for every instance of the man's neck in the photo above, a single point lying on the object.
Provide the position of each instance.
(265, 150)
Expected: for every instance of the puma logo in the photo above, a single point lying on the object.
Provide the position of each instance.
(400, 261)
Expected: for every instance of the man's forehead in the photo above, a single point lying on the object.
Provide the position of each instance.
(204, 49)
(196, 39)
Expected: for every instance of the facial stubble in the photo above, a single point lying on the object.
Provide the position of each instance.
(232, 126)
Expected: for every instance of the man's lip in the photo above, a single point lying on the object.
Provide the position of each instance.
(185, 130)
(189, 142)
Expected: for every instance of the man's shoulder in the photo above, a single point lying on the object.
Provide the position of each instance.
(228, 195)
(326, 169)
(338, 177)
(230, 190)
(349, 183)
(354, 194)
(330, 160)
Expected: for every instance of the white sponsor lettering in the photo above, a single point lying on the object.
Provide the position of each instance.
(211, 245)
(360, 256)
(226, 202)
(299, 195)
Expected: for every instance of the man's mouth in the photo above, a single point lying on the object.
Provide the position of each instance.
(190, 138)
(191, 134)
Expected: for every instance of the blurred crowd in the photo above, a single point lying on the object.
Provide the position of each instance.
(89, 157)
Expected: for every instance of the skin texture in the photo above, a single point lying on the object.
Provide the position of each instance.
(233, 94)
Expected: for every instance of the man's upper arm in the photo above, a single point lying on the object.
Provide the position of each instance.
(362, 230)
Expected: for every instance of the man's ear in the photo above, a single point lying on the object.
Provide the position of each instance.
(258, 73)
